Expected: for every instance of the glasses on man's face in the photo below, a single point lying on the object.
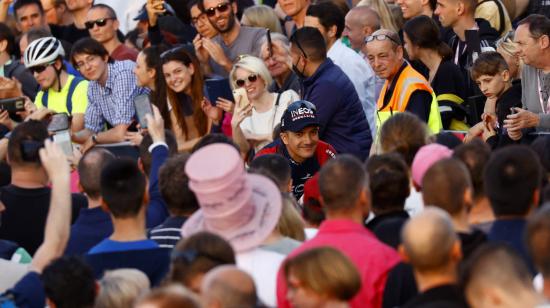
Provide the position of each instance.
(195, 20)
(241, 82)
(99, 22)
(221, 8)
(40, 68)
(381, 37)
(86, 62)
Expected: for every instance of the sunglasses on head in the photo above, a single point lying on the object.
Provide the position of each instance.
(39, 68)
(99, 22)
(241, 82)
(381, 37)
(222, 8)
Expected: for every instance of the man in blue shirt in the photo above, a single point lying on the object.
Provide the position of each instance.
(123, 191)
(111, 91)
(342, 121)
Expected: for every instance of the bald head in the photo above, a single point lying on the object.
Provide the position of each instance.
(365, 17)
(89, 170)
(496, 276)
(228, 286)
(428, 240)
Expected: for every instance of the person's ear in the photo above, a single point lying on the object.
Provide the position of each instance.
(80, 188)
(536, 200)
(505, 75)
(191, 68)
(146, 198)
(105, 207)
(367, 31)
(3, 45)
(58, 64)
(140, 165)
(331, 32)
(468, 199)
(399, 51)
(284, 137)
(234, 7)
(365, 200)
(403, 253)
(461, 8)
(116, 24)
(544, 41)
(456, 251)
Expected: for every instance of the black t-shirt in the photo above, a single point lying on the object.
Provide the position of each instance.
(68, 33)
(442, 296)
(24, 219)
(510, 98)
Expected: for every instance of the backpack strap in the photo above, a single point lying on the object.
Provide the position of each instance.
(45, 99)
(72, 87)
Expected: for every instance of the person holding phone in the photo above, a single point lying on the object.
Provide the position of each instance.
(61, 92)
(255, 115)
(186, 112)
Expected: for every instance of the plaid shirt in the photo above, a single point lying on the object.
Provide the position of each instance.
(112, 103)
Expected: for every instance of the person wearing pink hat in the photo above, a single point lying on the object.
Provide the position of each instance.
(425, 158)
(242, 208)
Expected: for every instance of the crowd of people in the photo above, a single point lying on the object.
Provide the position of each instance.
(289, 153)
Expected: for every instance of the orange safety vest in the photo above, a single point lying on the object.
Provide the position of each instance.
(407, 82)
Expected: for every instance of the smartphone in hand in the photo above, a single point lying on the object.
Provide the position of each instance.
(143, 107)
(240, 97)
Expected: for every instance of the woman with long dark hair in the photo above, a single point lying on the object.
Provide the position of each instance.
(422, 42)
(177, 90)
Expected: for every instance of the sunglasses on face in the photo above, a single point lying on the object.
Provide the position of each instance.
(222, 8)
(381, 37)
(241, 82)
(99, 22)
(39, 68)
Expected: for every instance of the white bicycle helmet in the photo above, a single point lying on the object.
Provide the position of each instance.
(43, 51)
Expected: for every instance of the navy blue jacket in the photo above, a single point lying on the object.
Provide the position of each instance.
(91, 227)
(341, 117)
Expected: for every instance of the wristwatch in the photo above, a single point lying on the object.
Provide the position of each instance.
(94, 139)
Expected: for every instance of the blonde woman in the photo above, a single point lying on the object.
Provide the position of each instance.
(386, 17)
(261, 16)
(508, 50)
(253, 123)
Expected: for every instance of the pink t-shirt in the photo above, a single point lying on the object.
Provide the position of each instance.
(372, 258)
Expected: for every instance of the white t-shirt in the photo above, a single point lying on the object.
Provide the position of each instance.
(264, 123)
(263, 266)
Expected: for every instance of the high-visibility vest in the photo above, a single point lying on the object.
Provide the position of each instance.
(408, 81)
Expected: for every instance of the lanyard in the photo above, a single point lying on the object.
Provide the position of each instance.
(459, 53)
(544, 110)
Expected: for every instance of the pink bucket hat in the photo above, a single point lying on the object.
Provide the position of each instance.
(243, 208)
(426, 157)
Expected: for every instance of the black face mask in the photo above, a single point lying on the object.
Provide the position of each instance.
(299, 73)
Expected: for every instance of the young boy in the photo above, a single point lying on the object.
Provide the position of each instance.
(490, 72)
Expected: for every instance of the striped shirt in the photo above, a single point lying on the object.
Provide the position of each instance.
(112, 103)
(168, 234)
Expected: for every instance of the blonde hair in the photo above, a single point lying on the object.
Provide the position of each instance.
(381, 7)
(506, 44)
(254, 65)
(340, 280)
(263, 16)
(120, 288)
(290, 223)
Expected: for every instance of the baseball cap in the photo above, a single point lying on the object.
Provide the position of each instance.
(298, 116)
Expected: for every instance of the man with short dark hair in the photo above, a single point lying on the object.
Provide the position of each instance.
(405, 89)
(512, 181)
(180, 201)
(495, 276)
(447, 185)
(102, 23)
(346, 200)
(389, 184)
(538, 241)
(342, 120)
(299, 143)
(93, 223)
(533, 42)
(232, 41)
(275, 167)
(111, 91)
(27, 198)
(413, 8)
(431, 246)
(475, 155)
(124, 195)
(459, 15)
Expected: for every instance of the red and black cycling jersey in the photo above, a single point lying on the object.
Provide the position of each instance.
(301, 172)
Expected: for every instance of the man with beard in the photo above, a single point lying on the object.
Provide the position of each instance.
(232, 41)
